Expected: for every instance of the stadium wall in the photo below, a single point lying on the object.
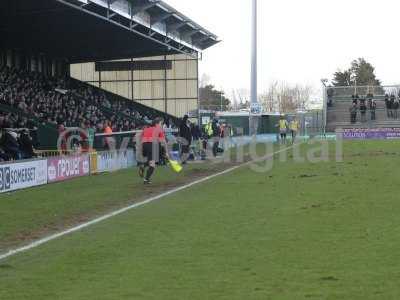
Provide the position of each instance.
(172, 89)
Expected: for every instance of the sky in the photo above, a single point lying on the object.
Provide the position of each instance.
(299, 42)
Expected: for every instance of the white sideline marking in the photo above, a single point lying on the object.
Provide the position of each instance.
(133, 206)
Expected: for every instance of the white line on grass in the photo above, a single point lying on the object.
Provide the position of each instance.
(133, 206)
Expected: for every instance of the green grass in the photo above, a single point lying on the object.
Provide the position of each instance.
(301, 231)
(29, 214)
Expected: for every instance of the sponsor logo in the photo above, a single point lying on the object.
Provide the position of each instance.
(7, 178)
(16, 177)
(52, 172)
(22, 175)
(4, 179)
(68, 167)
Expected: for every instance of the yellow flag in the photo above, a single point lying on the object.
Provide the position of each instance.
(175, 166)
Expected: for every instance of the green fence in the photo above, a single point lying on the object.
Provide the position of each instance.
(311, 123)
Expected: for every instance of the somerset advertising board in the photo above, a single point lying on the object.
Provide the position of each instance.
(22, 175)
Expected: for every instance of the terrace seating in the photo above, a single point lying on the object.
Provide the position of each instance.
(29, 99)
(61, 101)
(338, 115)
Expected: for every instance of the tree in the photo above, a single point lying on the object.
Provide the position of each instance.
(269, 98)
(342, 78)
(213, 99)
(360, 73)
(364, 73)
(284, 98)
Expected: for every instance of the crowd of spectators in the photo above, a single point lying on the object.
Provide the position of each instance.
(62, 101)
(15, 145)
(363, 108)
(362, 105)
(10, 120)
(33, 98)
(392, 104)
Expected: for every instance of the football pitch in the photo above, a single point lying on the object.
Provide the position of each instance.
(302, 230)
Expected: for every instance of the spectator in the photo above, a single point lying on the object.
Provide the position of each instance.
(9, 144)
(355, 99)
(353, 113)
(363, 110)
(370, 98)
(26, 145)
(216, 136)
(196, 131)
(185, 135)
(387, 105)
(90, 135)
(395, 108)
(391, 105)
(373, 110)
(109, 141)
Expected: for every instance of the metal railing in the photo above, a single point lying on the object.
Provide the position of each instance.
(54, 153)
(348, 91)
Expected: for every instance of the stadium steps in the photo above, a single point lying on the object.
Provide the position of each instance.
(338, 116)
(348, 98)
(347, 105)
(340, 119)
(344, 115)
(369, 124)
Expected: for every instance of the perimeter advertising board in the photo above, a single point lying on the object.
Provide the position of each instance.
(16, 176)
(110, 161)
(67, 167)
(370, 133)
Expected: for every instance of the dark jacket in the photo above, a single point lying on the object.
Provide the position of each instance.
(196, 132)
(216, 130)
(26, 146)
(184, 131)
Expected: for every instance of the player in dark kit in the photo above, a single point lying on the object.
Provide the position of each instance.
(153, 146)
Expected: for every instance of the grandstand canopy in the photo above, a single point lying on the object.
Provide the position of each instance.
(92, 30)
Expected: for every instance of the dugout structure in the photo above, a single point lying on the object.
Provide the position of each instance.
(143, 50)
(310, 122)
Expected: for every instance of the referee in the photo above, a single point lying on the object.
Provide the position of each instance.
(153, 146)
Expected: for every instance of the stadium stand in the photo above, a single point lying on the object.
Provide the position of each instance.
(343, 101)
(59, 101)
(39, 43)
(65, 102)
